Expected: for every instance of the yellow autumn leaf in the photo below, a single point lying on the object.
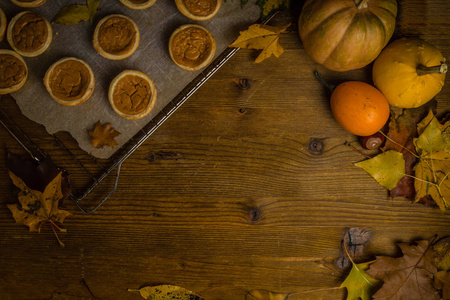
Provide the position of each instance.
(261, 37)
(265, 295)
(166, 292)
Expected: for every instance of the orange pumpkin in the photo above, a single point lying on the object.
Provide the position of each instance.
(345, 35)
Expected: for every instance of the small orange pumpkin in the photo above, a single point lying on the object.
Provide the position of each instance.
(345, 35)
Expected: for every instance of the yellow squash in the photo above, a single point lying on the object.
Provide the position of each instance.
(409, 72)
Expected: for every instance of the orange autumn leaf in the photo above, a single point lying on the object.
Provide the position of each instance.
(103, 135)
(36, 208)
(261, 37)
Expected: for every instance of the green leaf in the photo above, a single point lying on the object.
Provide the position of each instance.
(386, 168)
(93, 8)
(72, 14)
(269, 6)
(166, 292)
(358, 283)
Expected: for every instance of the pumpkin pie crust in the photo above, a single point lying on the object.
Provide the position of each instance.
(192, 47)
(132, 94)
(13, 71)
(69, 81)
(28, 3)
(116, 37)
(3, 22)
(29, 34)
(138, 4)
(199, 10)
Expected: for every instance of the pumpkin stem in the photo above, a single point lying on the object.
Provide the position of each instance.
(360, 4)
(424, 70)
(328, 85)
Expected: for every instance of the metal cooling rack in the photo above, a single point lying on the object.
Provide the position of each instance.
(103, 168)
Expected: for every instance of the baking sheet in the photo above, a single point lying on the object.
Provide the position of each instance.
(156, 24)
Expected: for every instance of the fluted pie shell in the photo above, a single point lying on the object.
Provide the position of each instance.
(132, 94)
(69, 81)
(3, 22)
(138, 4)
(13, 71)
(199, 10)
(116, 37)
(192, 47)
(29, 34)
(28, 3)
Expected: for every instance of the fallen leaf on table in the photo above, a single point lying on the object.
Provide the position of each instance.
(36, 208)
(433, 169)
(261, 37)
(407, 277)
(37, 175)
(103, 135)
(442, 251)
(402, 129)
(441, 281)
(269, 6)
(386, 168)
(76, 13)
(265, 295)
(358, 283)
(93, 8)
(166, 292)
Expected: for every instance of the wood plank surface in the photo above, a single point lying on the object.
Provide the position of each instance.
(249, 185)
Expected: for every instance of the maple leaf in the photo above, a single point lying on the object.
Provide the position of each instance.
(269, 6)
(386, 168)
(261, 37)
(358, 283)
(103, 135)
(407, 277)
(166, 292)
(265, 295)
(35, 208)
(433, 169)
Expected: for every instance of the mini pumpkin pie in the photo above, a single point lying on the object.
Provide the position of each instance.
(29, 34)
(116, 37)
(13, 71)
(138, 4)
(28, 3)
(199, 10)
(192, 47)
(69, 81)
(132, 94)
(3, 22)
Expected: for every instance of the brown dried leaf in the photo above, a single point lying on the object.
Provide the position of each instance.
(103, 135)
(407, 277)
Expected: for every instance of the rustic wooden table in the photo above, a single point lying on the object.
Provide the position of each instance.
(249, 185)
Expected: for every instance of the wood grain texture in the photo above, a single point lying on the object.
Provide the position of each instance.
(249, 185)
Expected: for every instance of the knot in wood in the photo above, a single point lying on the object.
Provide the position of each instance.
(243, 83)
(242, 110)
(315, 146)
(254, 214)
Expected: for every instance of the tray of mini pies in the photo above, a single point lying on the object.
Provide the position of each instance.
(122, 69)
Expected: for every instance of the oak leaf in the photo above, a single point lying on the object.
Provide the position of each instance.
(36, 208)
(166, 292)
(261, 37)
(265, 295)
(407, 277)
(103, 135)
(358, 283)
(386, 168)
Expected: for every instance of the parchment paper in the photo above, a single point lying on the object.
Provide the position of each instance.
(156, 24)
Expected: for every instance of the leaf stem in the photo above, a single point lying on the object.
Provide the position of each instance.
(403, 147)
(54, 231)
(354, 149)
(56, 226)
(353, 263)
